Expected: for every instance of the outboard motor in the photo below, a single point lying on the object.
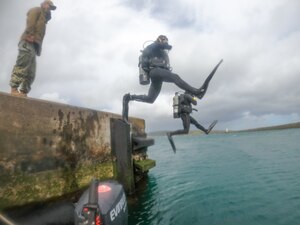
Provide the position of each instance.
(104, 203)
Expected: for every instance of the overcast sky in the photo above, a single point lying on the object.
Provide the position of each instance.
(91, 48)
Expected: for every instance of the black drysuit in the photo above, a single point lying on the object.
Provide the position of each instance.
(156, 63)
(186, 101)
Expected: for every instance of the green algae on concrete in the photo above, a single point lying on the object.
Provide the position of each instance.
(50, 150)
(22, 188)
(144, 165)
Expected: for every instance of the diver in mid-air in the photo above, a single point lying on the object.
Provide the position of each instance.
(155, 67)
(182, 108)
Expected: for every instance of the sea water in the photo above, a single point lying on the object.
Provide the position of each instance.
(234, 178)
(218, 179)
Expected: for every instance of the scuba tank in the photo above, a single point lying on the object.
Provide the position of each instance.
(176, 106)
(143, 75)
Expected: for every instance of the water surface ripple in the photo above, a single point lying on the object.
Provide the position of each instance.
(243, 178)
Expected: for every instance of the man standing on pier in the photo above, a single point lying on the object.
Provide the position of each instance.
(30, 45)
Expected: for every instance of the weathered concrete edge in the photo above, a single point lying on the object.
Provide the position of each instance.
(23, 185)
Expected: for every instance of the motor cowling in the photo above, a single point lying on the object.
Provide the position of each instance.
(104, 203)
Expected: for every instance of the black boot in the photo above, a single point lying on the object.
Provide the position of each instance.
(126, 99)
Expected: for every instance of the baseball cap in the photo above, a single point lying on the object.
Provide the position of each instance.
(52, 6)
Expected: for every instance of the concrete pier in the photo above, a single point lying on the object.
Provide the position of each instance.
(50, 150)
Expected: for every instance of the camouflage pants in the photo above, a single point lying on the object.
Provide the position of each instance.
(23, 73)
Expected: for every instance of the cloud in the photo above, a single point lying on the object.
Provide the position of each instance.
(90, 55)
(53, 97)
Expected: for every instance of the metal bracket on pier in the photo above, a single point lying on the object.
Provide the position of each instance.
(130, 151)
(122, 151)
(141, 142)
(142, 164)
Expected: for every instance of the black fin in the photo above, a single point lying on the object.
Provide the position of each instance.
(204, 87)
(211, 126)
(171, 142)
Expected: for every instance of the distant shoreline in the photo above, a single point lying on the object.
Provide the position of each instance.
(278, 127)
(196, 132)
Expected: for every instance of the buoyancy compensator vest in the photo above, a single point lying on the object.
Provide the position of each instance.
(161, 60)
(154, 55)
(181, 104)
